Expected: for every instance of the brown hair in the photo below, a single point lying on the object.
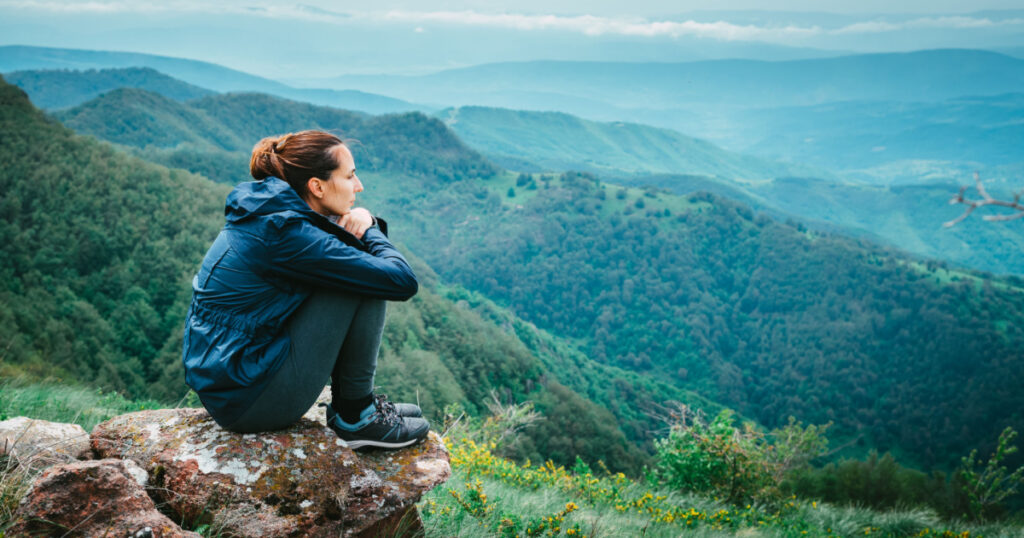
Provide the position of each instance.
(295, 157)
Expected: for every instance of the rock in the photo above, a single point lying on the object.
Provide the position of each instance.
(92, 498)
(318, 413)
(41, 441)
(298, 481)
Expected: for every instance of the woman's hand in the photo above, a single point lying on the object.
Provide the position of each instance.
(356, 222)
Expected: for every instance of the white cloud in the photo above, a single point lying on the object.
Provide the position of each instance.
(591, 25)
(951, 23)
(581, 24)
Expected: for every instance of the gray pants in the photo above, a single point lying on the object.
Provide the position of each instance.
(334, 335)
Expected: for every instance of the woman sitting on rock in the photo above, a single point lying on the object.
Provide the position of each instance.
(292, 291)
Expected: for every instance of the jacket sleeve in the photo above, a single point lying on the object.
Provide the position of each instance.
(315, 257)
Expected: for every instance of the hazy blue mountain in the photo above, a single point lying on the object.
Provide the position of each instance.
(983, 130)
(554, 141)
(62, 88)
(917, 76)
(1016, 52)
(203, 74)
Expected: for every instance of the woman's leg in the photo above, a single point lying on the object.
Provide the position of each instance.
(352, 376)
(327, 323)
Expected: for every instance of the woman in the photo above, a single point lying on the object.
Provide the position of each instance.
(292, 292)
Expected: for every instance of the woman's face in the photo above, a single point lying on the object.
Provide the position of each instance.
(337, 195)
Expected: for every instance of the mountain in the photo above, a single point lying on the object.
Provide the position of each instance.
(699, 293)
(62, 88)
(558, 141)
(929, 75)
(97, 295)
(215, 134)
(984, 130)
(202, 74)
(908, 216)
(136, 117)
(766, 317)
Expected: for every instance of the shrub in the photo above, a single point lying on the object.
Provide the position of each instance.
(987, 487)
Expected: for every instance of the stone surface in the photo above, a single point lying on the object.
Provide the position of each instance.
(92, 498)
(298, 481)
(41, 440)
(318, 413)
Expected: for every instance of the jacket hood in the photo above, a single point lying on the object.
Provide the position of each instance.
(265, 197)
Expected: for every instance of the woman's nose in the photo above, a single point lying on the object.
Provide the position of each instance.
(359, 185)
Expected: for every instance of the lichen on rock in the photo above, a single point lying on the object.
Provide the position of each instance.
(92, 498)
(300, 480)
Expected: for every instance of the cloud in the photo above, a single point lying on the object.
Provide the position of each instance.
(183, 7)
(582, 24)
(591, 25)
(950, 23)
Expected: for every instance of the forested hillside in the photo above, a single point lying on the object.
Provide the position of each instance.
(195, 135)
(61, 88)
(763, 316)
(101, 250)
(901, 212)
(766, 317)
(554, 141)
(909, 217)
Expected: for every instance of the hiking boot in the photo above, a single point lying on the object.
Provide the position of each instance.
(379, 427)
(403, 409)
(381, 402)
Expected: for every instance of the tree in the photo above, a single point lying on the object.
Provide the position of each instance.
(986, 199)
(987, 487)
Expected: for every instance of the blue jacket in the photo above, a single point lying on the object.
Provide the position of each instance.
(273, 252)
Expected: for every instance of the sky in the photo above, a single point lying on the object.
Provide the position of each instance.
(319, 39)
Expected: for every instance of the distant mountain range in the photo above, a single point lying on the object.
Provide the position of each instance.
(540, 141)
(984, 130)
(908, 216)
(61, 88)
(931, 75)
(212, 135)
(881, 142)
(203, 74)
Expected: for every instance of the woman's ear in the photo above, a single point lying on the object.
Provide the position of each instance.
(315, 186)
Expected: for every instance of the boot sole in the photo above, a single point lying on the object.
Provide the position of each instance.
(363, 443)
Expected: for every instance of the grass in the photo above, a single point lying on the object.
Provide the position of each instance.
(84, 406)
(490, 496)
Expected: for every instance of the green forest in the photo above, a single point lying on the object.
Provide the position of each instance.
(766, 317)
(98, 296)
(600, 304)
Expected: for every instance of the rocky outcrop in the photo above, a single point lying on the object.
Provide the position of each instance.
(92, 498)
(43, 441)
(299, 481)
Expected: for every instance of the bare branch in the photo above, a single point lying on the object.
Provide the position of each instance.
(986, 199)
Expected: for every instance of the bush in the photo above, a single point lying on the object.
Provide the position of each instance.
(715, 458)
(987, 487)
(736, 464)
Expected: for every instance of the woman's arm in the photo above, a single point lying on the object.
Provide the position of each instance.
(311, 255)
